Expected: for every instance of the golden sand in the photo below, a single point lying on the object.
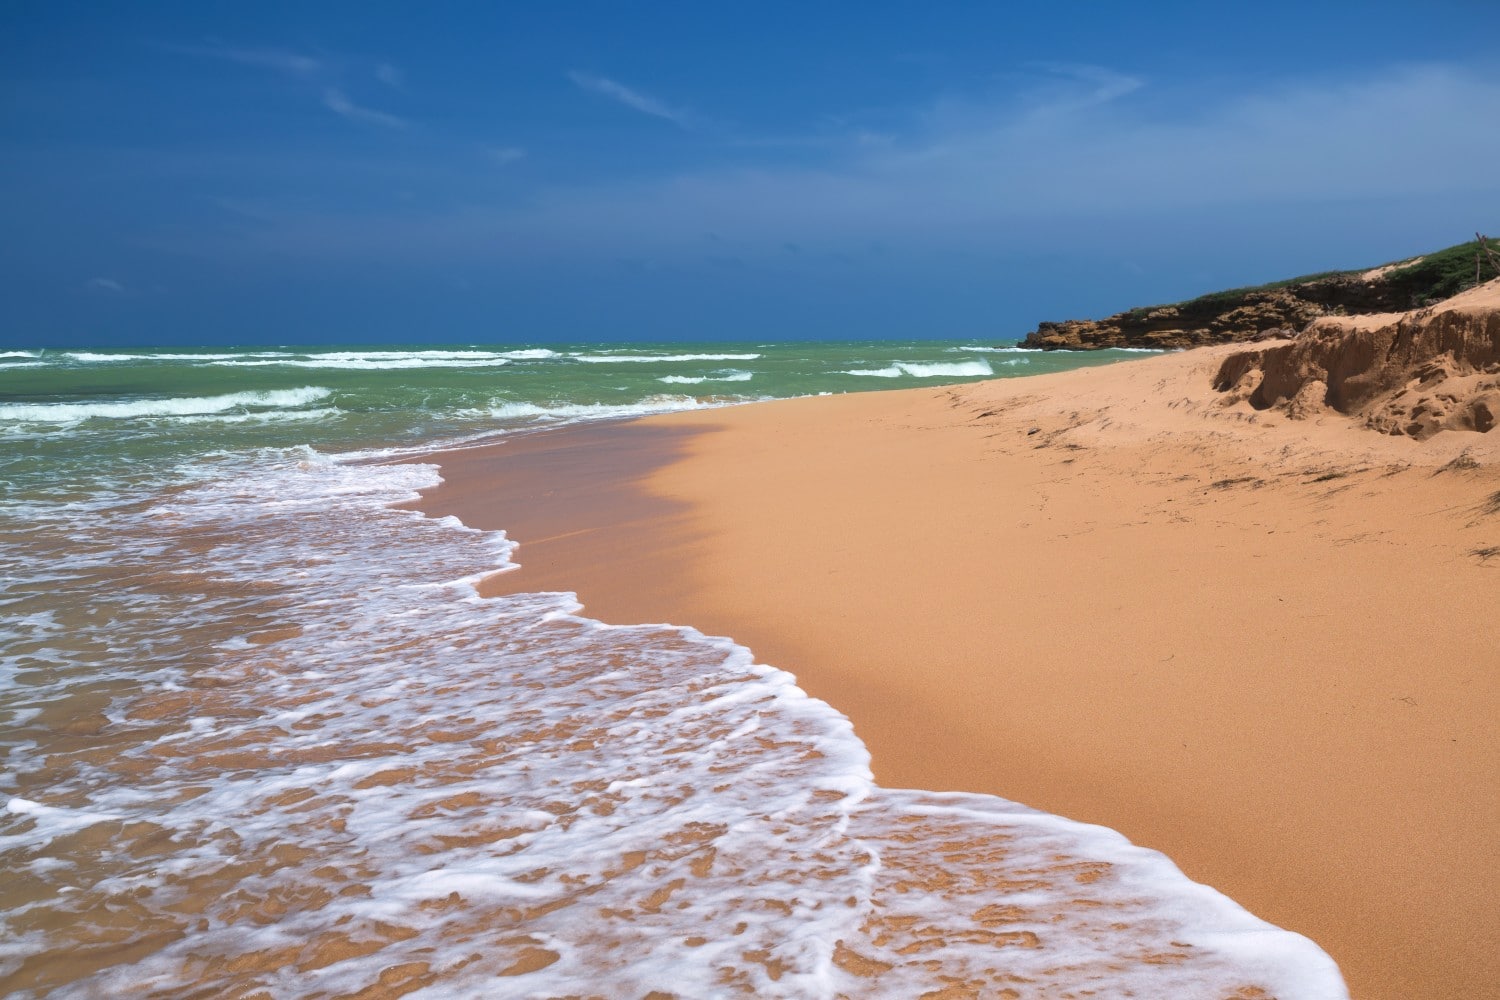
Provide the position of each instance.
(1269, 648)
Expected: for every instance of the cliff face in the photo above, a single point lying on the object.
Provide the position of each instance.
(1280, 308)
(1414, 373)
(1260, 314)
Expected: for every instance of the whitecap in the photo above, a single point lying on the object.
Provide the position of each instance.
(530, 354)
(913, 369)
(733, 376)
(647, 358)
(161, 407)
(513, 410)
(372, 364)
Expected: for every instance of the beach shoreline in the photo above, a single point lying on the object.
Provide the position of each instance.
(1255, 644)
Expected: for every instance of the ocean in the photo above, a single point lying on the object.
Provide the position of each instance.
(261, 737)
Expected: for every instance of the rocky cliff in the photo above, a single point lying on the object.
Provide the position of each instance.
(1256, 315)
(1274, 310)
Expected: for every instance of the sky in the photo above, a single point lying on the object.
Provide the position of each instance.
(507, 172)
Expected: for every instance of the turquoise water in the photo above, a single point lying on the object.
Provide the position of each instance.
(72, 420)
(260, 736)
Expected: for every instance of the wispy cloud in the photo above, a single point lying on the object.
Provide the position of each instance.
(390, 75)
(631, 98)
(323, 75)
(1092, 84)
(283, 61)
(992, 175)
(504, 155)
(337, 101)
(104, 285)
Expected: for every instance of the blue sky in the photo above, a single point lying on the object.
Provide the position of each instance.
(341, 172)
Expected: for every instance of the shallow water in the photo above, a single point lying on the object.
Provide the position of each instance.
(261, 737)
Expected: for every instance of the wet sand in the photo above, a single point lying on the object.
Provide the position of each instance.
(1266, 647)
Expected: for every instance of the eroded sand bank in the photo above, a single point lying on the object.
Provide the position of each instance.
(1267, 647)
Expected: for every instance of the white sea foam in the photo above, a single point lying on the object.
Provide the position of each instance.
(262, 416)
(424, 355)
(371, 360)
(938, 369)
(188, 357)
(156, 356)
(733, 376)
(371, 364)
(301, 794)
(531, 354)
(17, 354)
(90, 356)
(652, 358)
(66, 413)
(566, 412)
(394, 360)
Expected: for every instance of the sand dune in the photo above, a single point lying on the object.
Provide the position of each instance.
(1415, 373)
(1266, 646)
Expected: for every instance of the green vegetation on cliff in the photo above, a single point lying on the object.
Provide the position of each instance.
(1442, 275)
(1278, 307)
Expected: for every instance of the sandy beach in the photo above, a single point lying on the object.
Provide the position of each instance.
(1265, 646)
